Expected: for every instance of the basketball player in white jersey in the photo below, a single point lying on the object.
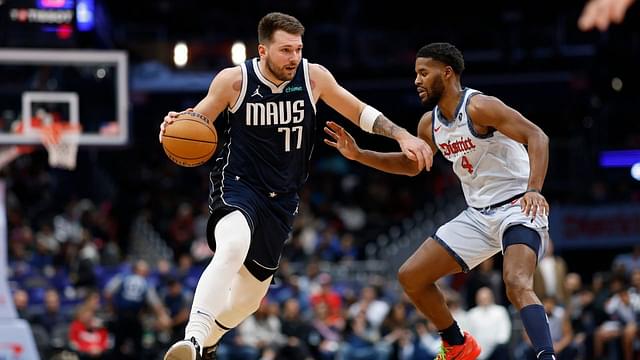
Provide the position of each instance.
(269, 103)
(502, 184)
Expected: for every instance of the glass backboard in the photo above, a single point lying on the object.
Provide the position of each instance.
(83, 88)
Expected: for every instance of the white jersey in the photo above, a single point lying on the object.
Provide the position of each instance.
(492, 167)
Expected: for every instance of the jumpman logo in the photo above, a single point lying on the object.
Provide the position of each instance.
(257, 92)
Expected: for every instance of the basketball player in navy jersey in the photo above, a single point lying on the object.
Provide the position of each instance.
(270, 104)
(502, 183)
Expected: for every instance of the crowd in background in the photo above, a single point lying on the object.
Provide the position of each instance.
(95, 286)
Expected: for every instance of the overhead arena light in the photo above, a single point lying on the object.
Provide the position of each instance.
(180, 54)
(238, 53)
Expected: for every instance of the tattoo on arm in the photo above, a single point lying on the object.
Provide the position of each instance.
(385, 127)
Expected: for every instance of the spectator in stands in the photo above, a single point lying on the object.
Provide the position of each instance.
(348, 248)
(93, 302)
(51, 325)
(628, 262)
(297, 330)
(326, 334)
(623, 309)
(410, 347)
(262, 331)
(187, 273)
(584, 320)
(491, 325)
(181, 230)
(360, 339)
(370, 304)
(485, 275)
(129, 295)
(572, 286)
(328, 296)
(429, 338)
(87, 336)
(21, 302)
(394, 325)
(162, 273)
(178, 303)
(328, 244)
(454, 304)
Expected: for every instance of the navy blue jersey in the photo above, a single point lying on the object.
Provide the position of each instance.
(271, 132)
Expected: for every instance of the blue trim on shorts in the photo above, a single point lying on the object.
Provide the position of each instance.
(520, 234)
(453, 254)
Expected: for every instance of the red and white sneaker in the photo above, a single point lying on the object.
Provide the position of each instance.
(469, 350)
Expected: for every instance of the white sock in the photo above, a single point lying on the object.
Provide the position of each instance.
(244, 299)
(233, 237)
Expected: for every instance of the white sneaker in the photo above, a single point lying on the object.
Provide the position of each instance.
(184, 350)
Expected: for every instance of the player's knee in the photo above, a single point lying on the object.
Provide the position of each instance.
(234, 236)
(407, 278)
(516, 283)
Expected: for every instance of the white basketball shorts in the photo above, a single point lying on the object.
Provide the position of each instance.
(476, 235)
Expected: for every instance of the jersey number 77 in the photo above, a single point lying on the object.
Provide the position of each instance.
(297, 133)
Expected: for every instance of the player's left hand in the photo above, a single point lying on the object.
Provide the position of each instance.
(417, 149)
(533, 203)
(341, 140)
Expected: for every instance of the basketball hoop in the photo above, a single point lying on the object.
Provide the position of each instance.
(61, 142)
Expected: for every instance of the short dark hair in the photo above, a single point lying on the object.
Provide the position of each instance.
(445, 53)
(274, 21)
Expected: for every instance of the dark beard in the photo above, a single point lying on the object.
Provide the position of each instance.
(431, 102)
(435, 94)
(277, 73)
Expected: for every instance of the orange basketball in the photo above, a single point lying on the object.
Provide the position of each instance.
(190, 140)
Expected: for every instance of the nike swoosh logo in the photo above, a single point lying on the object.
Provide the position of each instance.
(205, 314)
(436, 129)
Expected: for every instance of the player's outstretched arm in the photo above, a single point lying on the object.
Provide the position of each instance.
(223, 92)
(490, 112)
(368, 118)
(392, 162)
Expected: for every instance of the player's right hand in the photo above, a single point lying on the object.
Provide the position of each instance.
(342, 140)
(168, 120)
(534, 204)
(417, 150)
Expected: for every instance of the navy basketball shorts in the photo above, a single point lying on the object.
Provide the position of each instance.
(270, 217)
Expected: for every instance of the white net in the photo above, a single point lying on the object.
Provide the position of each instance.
(62, 146)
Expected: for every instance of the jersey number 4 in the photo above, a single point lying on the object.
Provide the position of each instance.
(467, 165)
(297, 131)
